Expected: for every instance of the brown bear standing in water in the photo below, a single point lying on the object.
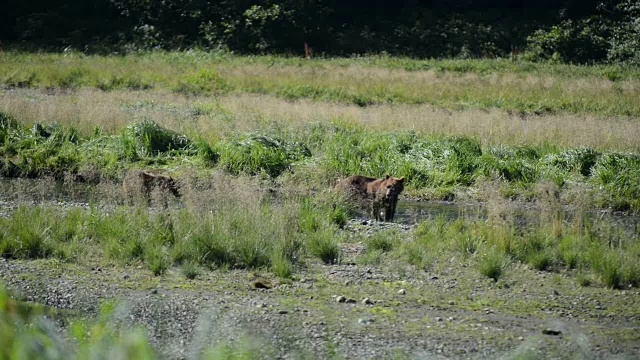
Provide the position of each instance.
(141, 184)
(380, 194)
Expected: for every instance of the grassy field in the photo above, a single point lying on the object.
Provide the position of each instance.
(257, 144)
(452, 85)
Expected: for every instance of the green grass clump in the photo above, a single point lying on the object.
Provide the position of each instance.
(428, 243)
(493, 265)
(150, 139)
(34, 233)
(156, 259)
(315, 222)
(211, 249)
(51, 149)
(609, 268)
(516, 165)
(203, 81)
(235, 236)
(580, 160)
(383, 241)
(116, 82)
(281, 265)
(425, 161)
(571, 250)
(190, 270)
(469, 244)
(618, 175)
(257, 154)
(540, 261)
(324, 245)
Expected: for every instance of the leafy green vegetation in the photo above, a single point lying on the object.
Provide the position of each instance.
(258, 234)
(435, 166)
(232, 236)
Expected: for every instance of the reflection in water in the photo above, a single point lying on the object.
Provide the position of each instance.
(412, 212)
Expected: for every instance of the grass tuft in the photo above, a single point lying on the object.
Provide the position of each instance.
(324, 245)
(493, 265)
(190, 270)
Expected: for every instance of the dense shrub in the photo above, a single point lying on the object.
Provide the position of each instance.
(256, 154)
(618, 175)
(148, 138)
(580, 160)
(580, 41)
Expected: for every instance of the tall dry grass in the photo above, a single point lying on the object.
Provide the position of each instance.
(472, 85)
(215, 118)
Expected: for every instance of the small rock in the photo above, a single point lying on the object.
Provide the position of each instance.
(438, 319)
(260, 306)
(520, 338)
(402, 292)
(351, 301)
(347, 283)
(451, 302)
(154, 291)
(367, 301)
(434, 278)
(551, 332)
(341, 299)
(126, 276)
(282, 312)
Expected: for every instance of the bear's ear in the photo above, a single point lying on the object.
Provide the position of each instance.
(401, 179)
(386, 177)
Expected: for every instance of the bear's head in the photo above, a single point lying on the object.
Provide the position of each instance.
(394, 186)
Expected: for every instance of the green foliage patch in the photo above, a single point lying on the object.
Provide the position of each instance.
(434, 165)
(257, 154)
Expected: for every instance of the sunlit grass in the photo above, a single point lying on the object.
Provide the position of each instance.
(445, 83)
(210, 119)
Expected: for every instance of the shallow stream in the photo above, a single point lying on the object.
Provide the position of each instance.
(14, 192)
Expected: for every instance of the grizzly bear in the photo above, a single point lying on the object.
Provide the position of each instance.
(380, 195)
(139, 183)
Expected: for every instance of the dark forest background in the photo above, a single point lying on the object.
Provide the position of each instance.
(576, 31)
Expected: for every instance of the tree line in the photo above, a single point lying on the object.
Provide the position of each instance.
(577, 31)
